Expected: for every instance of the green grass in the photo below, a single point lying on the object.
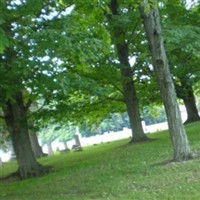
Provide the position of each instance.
(113, 171)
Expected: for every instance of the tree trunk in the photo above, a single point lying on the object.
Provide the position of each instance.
(50, 149)
(130, 94)
(131, 99)
(16, 121)
(186, 93)
(152, 27)
(37, 149)
(65, 145)
(191, 108)
(77, 145)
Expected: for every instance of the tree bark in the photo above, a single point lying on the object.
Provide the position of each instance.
(16, 121)
(37, 149)
(130, 94)
(186, 93)
(177, 132)
(191, 108)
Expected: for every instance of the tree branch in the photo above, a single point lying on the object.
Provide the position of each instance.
(119, 89)
(131, 38)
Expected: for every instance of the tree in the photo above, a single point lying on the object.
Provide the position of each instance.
(182, 41)
(47, 135)
(36, 148)
(150, 15)
(65, 133)
(94, 31)
(97, 87)
(130, 95)
(22, 70)
(186, 93)
(16, 121)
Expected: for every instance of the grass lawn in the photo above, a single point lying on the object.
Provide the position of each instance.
(113, 171)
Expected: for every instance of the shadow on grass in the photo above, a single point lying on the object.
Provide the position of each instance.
(146, 140)
(44, 170)
(169, 162)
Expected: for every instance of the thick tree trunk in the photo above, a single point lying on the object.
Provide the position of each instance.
(37, 149)
(191, 108)
(186, 93)
(130, 94)
(15, 117)
(152, 27)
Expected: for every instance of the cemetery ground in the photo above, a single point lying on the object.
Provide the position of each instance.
(115, 170)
